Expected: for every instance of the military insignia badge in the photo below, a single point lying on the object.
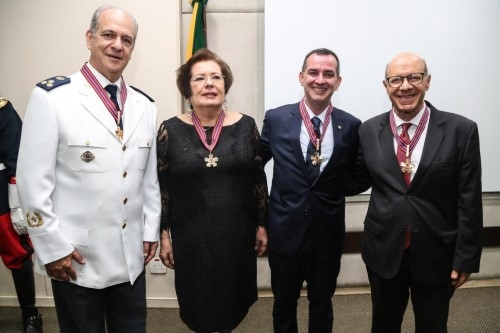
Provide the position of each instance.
(34, 219)
(53, 82)
(87, 156)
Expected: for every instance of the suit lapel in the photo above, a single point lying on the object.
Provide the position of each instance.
(337, 127)
(294, 126)
(93, 104)
(387, 144)
(433, 139)
(132, 114)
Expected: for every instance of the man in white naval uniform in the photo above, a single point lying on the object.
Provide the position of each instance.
(88, 184)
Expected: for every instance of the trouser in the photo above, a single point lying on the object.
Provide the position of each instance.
(390, 298)
(24, 281)
(287, 276)
(116, 309)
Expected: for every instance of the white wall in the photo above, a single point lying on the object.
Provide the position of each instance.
(41, 39)
(458, 38)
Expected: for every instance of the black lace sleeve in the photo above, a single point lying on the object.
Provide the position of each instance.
(261, 192)
(162, 166)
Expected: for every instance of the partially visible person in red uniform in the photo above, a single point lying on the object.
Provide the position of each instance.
(15, 245)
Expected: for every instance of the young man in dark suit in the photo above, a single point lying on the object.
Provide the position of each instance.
(312, 144)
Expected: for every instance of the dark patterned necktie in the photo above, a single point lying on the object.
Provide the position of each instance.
(111, 89)
(313, 170)
(402, 154)
(407, 176)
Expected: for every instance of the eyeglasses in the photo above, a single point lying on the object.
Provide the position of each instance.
(216, 78)
(413, 79)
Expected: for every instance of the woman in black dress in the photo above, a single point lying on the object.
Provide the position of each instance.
(214, 198)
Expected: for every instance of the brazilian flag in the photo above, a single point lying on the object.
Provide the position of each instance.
(197, 38)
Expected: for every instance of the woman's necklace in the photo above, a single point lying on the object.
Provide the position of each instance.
(211, 160)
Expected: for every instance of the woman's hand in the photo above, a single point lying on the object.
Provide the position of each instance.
(166, 251)
(261, 240)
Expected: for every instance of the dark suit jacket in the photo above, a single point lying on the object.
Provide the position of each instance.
(443, 205)
(10, 135)
(295, 201)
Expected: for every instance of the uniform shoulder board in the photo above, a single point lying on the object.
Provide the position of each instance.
(53, 82)
(3, 102)
(142, 92)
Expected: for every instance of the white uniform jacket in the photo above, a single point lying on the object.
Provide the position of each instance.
(81, 188)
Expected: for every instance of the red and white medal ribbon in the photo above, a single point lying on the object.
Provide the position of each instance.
(408, 149)
(310, 130)
(211, 161)
(103, 94)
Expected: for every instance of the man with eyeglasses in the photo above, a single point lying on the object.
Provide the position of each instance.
(423, 228)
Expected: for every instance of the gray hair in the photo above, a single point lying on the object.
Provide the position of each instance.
(94, 22)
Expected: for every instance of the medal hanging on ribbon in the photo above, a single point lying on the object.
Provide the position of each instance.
(103, 95)
(408, 166)
(119, 129)
(211, 160)
(316, 158)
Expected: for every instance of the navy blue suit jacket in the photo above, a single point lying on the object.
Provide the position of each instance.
(295, 201)
(10, 136)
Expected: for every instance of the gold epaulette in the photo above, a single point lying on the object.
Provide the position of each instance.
(3, 102)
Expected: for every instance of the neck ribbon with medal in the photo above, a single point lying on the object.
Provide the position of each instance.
(103, 95)
(211, 160)
(316, 158)
(407, 166)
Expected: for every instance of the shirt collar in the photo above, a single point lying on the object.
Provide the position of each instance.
(103, 81)
(321, 116)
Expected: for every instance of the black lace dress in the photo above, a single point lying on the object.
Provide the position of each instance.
(212, 214)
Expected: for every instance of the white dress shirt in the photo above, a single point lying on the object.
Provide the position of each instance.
(326, 144)
(416, 154)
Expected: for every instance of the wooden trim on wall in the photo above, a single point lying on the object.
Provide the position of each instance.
(353, 240)
(491, 236)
